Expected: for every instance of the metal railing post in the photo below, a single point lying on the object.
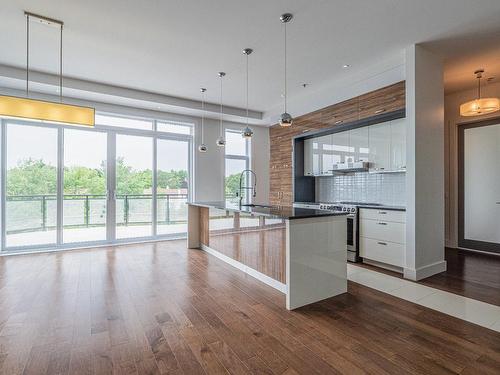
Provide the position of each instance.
(125, 210)
(44, 213)
(168, 209)
(87, 211)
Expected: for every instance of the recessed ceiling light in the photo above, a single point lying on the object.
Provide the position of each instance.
(345, 66)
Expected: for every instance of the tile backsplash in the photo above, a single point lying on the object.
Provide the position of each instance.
(384, 188)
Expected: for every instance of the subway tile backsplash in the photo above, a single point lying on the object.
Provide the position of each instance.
(384, 188)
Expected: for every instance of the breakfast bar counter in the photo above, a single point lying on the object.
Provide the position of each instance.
(299, 251)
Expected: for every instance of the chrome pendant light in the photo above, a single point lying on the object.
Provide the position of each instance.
(247, 132)
(221, 142)
(202, 147)
(285, 118)
(479, 106)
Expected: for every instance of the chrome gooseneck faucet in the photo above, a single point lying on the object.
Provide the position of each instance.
(242, 187)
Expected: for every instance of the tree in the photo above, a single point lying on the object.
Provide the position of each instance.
(232, 184)
(172, 179)
(32, 177)
(35, 177)
(83, 180)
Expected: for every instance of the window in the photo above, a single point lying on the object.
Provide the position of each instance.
(123, 122)
(174, 127)
(237, 159)
(120, 180)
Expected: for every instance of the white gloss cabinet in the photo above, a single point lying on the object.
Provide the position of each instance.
(311, 157)
(380, 147)
(359, 143)
(382, 236)
(398, 145)
(326, 158)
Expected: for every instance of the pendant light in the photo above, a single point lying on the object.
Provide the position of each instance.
(479, 106)
(285, 118)
(247, 132)
(11, 106)
(202, 147)
(221, 142)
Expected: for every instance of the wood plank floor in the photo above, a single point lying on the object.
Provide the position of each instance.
(468, 274)
(160, 308)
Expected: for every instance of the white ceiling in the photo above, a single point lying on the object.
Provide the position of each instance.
(173, 47)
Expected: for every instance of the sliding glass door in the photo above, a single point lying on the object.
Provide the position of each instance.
(64, 186)
(84, 184)
(134, 181)
(30, 185)
(172, 186)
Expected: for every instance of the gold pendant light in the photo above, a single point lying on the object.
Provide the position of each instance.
(479, 106)
(11, 106)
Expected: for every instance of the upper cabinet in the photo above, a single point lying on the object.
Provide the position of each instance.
(311, 157)
(326, 158)
(398, 145)
(387, 99)
(359, 144)
(380, 147)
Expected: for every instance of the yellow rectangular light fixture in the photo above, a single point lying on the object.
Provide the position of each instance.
(11, 106)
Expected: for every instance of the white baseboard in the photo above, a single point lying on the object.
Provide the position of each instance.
(425, 271)
(386, 266)
(248, 270)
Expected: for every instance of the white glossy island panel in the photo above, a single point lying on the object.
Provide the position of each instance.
(316, 264)
(300, 252)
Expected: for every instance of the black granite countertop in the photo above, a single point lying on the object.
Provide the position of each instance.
(279, 212)
(382, 207)
(369, 205)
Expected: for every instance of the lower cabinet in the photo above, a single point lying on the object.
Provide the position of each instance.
(382, 236)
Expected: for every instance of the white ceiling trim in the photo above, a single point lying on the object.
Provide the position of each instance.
(46, 84)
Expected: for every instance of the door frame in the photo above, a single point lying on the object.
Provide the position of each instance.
(490, 247)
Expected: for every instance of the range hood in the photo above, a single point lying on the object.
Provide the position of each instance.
(357, 166)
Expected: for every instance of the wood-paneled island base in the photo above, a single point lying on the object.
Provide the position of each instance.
(301, 252)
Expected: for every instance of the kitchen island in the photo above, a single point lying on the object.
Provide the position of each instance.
(299, 251)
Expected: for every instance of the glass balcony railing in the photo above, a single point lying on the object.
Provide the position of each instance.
(32, 213)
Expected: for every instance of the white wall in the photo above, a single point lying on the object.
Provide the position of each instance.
(452, 120)
(425, 164)
(209, 166)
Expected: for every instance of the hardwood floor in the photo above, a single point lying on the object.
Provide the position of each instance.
(469, 274)
(161, 308)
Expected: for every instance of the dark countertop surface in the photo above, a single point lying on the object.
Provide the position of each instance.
(369, 205)
(382, 207)
(280, 212)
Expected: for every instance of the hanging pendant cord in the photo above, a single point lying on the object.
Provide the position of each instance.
(27, 54)
(285, 70)
(202, 115)
(247, 90)
(61, 66)
(220, 130)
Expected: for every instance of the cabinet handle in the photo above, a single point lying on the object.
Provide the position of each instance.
(382, 223)
(379, 111)
(382, 212)
(382, 243)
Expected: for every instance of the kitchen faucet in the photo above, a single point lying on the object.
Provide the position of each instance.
(252, 188)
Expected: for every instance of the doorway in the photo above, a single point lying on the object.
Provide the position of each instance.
(479, 186)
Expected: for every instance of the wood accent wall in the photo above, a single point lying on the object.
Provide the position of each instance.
(386, 99)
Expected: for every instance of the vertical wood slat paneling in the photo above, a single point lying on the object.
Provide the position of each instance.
(386, 99)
